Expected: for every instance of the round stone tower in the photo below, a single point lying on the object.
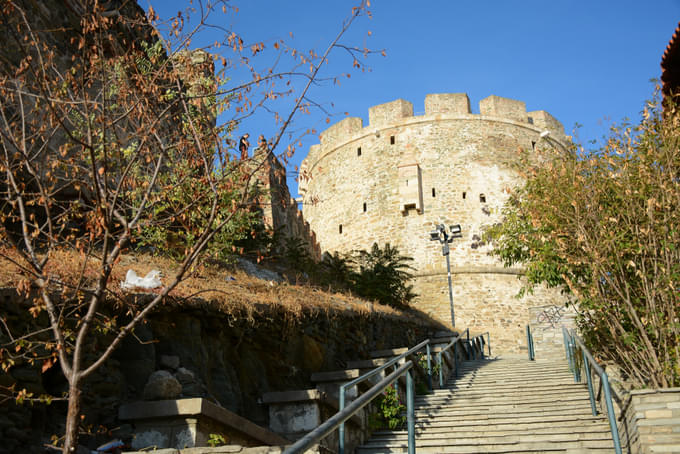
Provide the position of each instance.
(397, 178)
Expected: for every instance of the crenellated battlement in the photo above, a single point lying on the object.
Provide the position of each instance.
(438, 107)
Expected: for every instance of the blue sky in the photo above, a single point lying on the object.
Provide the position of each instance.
(585, 62)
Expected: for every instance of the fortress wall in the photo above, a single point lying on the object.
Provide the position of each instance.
(486, 302)
(465, 166)
(389, 112)
(447, 103)
(496, 106)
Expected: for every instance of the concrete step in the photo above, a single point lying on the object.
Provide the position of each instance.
(483, 417)
(442, 439)
(481, 447)
(473, 390)
(528, 420)
(503, 406)
(563, 427)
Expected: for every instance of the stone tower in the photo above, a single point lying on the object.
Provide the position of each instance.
(396, 178)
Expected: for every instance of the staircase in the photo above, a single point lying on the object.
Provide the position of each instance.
(503, 405)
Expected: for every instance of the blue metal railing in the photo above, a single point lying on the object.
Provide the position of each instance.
(530, 344)
(393, 362)
(571, 342)
(339, 418)
(472, 347)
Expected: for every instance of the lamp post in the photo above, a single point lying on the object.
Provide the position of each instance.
(440, 234)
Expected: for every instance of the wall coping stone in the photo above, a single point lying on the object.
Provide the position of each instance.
(475, 270)
(198, 407)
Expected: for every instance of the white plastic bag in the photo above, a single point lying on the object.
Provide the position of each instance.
(150, 281)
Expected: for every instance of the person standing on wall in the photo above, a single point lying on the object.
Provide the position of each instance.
(243, 146)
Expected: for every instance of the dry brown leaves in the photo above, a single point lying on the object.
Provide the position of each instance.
(231, 291)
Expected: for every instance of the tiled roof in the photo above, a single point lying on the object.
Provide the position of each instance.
(670, 65)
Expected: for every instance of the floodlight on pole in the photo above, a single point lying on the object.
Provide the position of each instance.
(444, 237)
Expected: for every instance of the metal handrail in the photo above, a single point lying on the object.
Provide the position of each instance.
(572, 341)
(454, 344)
(367, 375)
(343, 415)
(479, 339)
(530, 344)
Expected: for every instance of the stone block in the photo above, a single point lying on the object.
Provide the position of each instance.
(189, 422)
(388, 113)
(341, 131)
(169, 362)
(447, 103)
(495, 106)
(162, 385)
(338, 375)
(542, 119)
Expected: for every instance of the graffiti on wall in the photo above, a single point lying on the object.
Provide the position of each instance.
(550, 317)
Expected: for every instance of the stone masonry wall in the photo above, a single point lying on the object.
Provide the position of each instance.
(650, 421)
(231, 359)
(466, 166)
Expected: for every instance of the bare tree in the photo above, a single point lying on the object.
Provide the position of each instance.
(127, 141)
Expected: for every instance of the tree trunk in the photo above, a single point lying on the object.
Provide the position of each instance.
(72, 418)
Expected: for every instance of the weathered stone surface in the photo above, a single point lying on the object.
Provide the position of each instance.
(462, 166)
(169, 361)
(162, 385)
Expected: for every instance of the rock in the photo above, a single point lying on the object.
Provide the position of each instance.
(162, 385)
(170, 362)
(190, 385)
(257, 271)
(185, 376)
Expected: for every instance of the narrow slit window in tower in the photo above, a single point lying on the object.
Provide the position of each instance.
(391, 140)
(464, 194)
(340, 229)
(533, 145)
(359, 151)
(364, 207)
(433, 193)
(482, 198)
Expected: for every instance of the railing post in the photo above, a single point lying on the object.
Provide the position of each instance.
(610, 413)
(572, 348)
(455, 357)
(488, 343)
(429, 369)
(530, 342)
(441, 370)
(590, 383)
(410, 413)
(481, 345)
(341, 428)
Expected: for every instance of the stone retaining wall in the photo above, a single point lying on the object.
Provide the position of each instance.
(650, 421)
(231, 359)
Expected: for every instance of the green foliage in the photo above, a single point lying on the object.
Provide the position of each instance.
(390, 411)
(215, 440)
(335, 270)
(605, 227)
(296, 255)
(382, 275)
(182, 211)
